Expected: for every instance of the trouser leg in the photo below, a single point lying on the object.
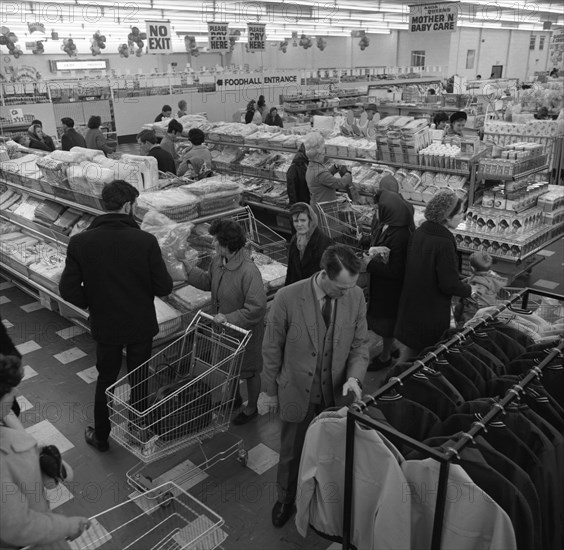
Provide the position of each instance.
(108, 364)
(138, 354)
(292, 441)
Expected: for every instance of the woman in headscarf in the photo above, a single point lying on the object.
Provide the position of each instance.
(386, 265)
(307, 245)
(296, 183)
(43, 141)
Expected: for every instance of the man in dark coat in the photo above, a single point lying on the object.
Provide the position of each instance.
(307, 245)
(296, 178)
(147, 140)
(115, 270)
(70, 138)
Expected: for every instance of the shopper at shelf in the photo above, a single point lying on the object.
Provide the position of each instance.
(457, 122)
(70, 138)
(147, 140)
(35, 132)
(25, 515)
(173, 132)
(431, 276)
(386, 264)
(554, 73)
(26, 141)
(115, 271)
(95, 139)
(251, 111)
(262, 109)
(182, 108)
(239, 298)
(478, 77)
(389, 183)
(542, 114)
(315, 353)
(372, 113)
(307, 245)
(166, 112)
(197, 161)
(273, 118)
(440, 120)
(322, 181)
(296, 183)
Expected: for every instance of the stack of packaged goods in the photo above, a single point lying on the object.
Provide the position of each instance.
(215, 194)
(552, 204)
(513, 160)
(177, 204)
(414, 136)
(188, 122)
(273, 273)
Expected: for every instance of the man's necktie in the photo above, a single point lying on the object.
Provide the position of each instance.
(326, 310)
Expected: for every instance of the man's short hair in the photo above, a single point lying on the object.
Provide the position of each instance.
(166, 108)
(175, 126)
(196, 136)
(145, 136)
(338, 257)
(116, 193)
(68, 122)
(460, 115)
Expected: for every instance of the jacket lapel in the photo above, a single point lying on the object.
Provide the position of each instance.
(310, 313)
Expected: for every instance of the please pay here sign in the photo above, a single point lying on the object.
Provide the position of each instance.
(437, 17)
(159, 38)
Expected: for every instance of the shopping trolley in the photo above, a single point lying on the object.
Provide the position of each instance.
(181, 397)
(174, 521)
(338, 220)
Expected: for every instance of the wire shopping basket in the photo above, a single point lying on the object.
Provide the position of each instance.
(338, 220)
(181, 396)
(174, 521)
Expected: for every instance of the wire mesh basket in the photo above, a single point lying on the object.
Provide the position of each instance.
(338, 219)
(173, 521)
(181, 396)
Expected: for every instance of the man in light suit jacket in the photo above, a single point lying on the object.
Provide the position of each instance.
(315, 352)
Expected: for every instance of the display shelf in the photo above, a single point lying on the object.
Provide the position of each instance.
(341, 94)
(252, 146)
(27, 285)
(43, 195)
(522, 175)
(422, 168)
(321, 108)
(385, 83)
(36, 229)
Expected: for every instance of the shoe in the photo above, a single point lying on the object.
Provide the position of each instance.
(237, 402)
(243, 418)
(281, 513)
(377, 364)
(91, 439)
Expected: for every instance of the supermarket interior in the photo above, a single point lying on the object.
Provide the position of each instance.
(222, 112)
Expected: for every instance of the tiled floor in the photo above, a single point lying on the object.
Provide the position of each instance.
(57, 403)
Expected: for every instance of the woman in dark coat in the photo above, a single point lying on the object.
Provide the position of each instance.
(307, 245)
(239, 298)
(36, 134)
(431, 277)
(387, 253)
(296, 183)
(273, 118)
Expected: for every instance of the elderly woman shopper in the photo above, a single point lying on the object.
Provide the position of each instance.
(431, 276)
(386, 265)
(239, 298)
(25, 516)
(307, 245)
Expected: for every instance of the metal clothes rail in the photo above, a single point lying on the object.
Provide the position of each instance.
(444, 457)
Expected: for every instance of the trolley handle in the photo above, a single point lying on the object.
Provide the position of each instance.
(226, 324)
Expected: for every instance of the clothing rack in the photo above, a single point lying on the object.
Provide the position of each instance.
(444, 457)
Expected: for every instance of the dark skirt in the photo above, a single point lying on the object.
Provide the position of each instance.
(382, 326)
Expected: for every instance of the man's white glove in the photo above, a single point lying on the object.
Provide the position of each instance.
(352, 384)
(269, 403)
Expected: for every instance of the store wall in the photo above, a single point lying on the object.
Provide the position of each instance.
(435, 45)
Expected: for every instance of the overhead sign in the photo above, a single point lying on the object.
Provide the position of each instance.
(36, 27)
(234, 81)
(439, 17)
(218, 34)
(557, 48)
(78, 65)
(159, 38)
(256, 36)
